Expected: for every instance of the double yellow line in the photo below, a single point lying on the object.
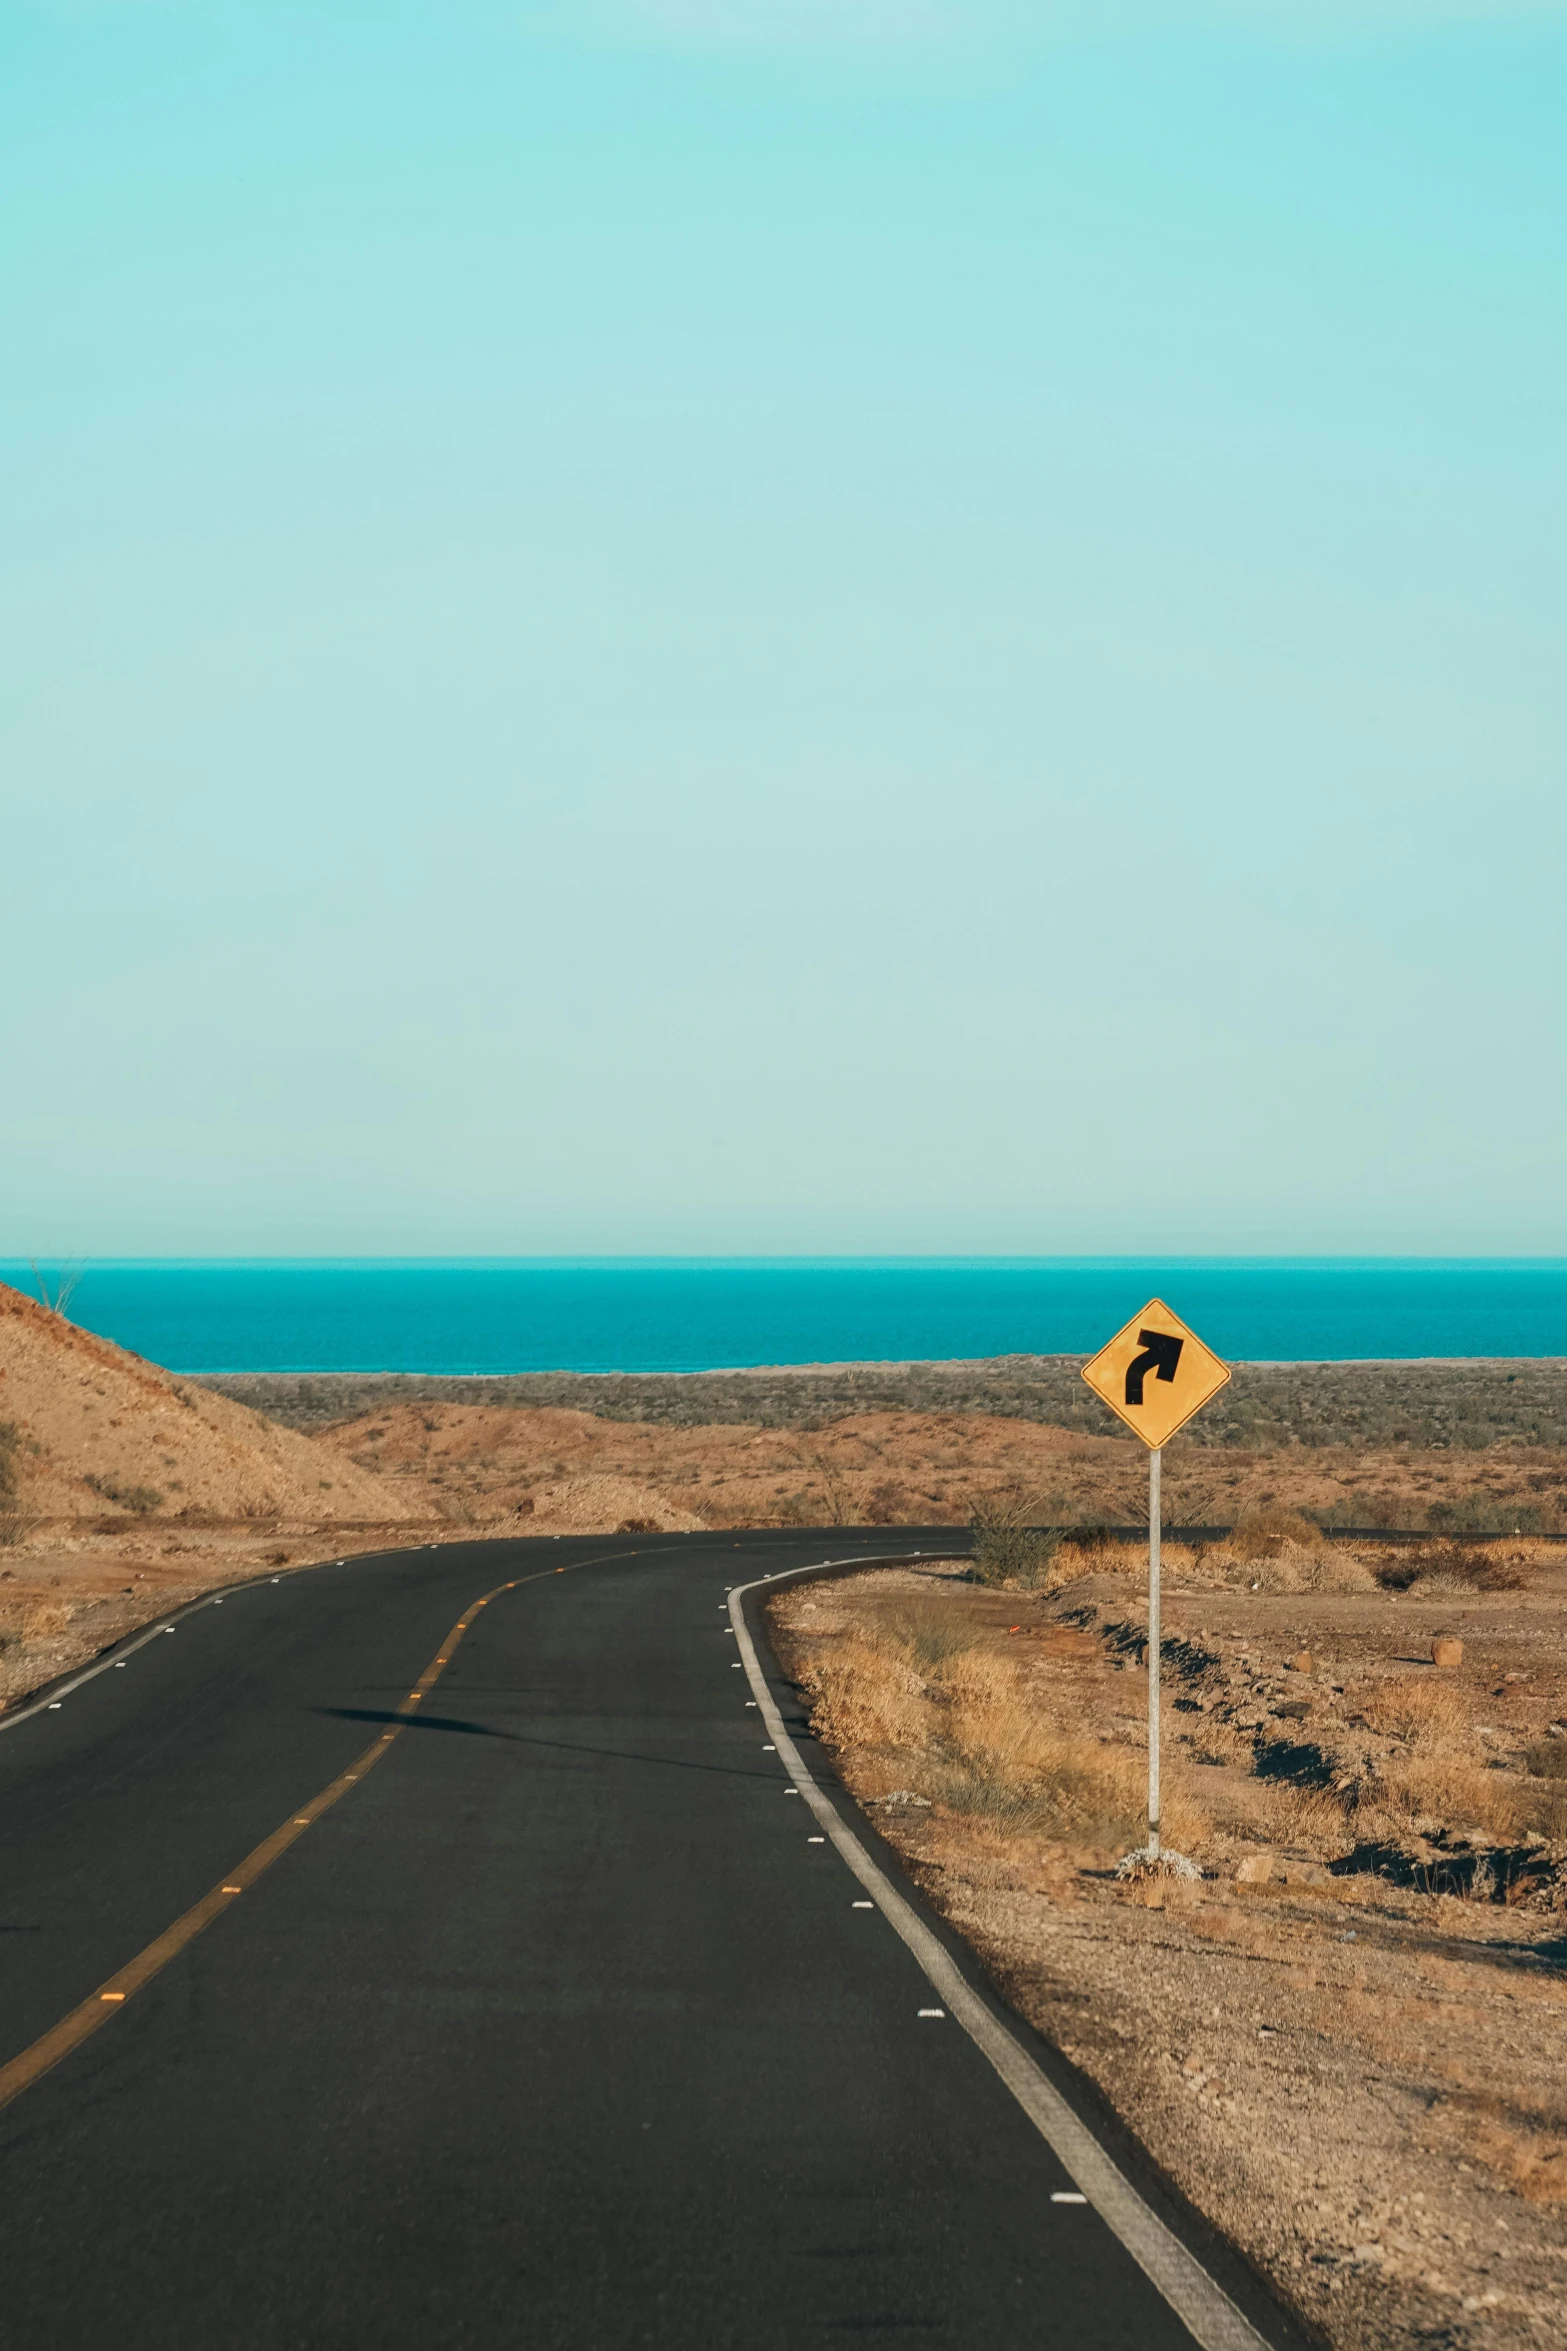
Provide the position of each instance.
(85, 2019)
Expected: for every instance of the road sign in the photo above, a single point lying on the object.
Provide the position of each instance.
(1155, 1374)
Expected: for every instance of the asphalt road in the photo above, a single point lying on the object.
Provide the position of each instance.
(557, 2031)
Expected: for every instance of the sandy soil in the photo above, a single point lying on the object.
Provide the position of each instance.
(1356, 2074)
(90, 1430)
(494, 1463)
(125, 1491)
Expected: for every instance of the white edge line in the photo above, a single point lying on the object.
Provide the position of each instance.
(117, 1654)
(8, 1722)
(1198, 2300)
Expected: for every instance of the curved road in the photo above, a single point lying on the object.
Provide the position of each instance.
(560, 2023)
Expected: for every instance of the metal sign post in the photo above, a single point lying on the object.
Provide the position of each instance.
(1155, 1374)
(1155, 1457)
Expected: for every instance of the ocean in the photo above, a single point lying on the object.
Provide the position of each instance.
(512, 1315)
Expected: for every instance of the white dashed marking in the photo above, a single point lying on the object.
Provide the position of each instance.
(1207, 2312)
(940, 2012)
(862, 1905)
(1065, 2195)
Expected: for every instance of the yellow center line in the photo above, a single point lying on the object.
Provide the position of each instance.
(76, 2026)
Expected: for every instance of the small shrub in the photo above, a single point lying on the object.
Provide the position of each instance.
(1092, 1535)
(1532, 2161)
(14, 1521)
(1424, 1711)
(886, 1504)
(1010, 1547)
(931, 1633)
(1451, 1567)
(1448, 1788)
(1547, 1759)
(143, 1500)
(1265, 1534)
(1317, 1566)
(865, 1695)
(1003, 1759)
(41, 1619)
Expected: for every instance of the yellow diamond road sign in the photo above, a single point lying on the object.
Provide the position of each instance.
(1156, 1373)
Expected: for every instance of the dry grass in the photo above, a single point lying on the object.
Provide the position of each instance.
(1295, 1566)
(1264, 1534)
(997, 1753)
(865, 1694)
(967, 1726)
(1444, 1780)
(43, 1619)
(1356, 2074)
(1533, 2163)
(1418, 1708)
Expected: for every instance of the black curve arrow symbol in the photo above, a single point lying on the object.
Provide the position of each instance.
(1160, 1354)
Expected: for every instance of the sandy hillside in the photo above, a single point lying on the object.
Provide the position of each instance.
(496, 1465)
(99, 1432)
(505, 1466)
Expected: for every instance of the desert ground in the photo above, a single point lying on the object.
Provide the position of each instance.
(1347, 2040)
(125, 1489)
(1456, 1447)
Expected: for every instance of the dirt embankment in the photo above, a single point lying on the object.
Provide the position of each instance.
(125, 1491)
(1348, 2041)
(96, 1431)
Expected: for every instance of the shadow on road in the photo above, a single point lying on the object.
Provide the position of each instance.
(414, 1722)
(481, 1730)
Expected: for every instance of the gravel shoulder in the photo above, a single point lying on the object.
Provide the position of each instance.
(1354, 2073)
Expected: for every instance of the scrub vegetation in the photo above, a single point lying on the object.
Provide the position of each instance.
(1424, 1448)
(1265, 1408)
(1347, 2039)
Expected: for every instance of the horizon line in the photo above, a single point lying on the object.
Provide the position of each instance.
(1001, 1261)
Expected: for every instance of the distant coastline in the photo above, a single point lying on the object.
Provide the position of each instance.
(494, 1318)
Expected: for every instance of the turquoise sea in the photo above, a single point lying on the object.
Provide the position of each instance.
(517, 1314)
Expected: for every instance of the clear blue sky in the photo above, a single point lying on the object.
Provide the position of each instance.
(818, 625)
